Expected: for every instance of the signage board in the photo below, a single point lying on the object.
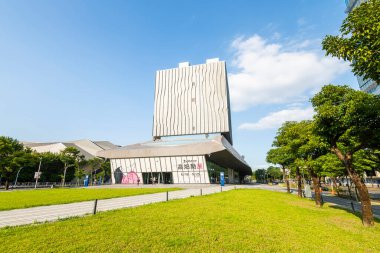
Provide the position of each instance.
(37, 175)
(222, 178)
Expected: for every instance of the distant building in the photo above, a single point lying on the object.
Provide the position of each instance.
(351, 4)
(366, 85)
(86, 148)
(191, 102)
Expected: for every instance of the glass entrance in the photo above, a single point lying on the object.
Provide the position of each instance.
(157, 177)
(167, 177)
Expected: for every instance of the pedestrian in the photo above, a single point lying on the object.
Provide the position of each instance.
(138, 181)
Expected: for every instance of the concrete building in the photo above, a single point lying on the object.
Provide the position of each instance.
(191, 102)
(366, 85)
(86, 148)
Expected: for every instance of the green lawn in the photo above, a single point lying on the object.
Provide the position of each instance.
(233, 221)
(29, 198)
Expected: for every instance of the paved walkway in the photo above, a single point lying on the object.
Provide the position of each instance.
(332, 199)
(55, 212)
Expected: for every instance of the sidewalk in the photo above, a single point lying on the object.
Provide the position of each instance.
(327, 197)
(346, 204)
(55, 212)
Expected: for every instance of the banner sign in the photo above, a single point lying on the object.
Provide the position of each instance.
(222, 178)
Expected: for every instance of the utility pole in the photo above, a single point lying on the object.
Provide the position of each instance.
(38, 173)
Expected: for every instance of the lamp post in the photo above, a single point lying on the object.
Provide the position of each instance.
(38, 173)
(18, 172)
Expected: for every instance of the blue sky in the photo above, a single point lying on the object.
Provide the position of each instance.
(85, 69)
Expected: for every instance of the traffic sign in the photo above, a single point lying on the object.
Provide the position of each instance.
(37, 175)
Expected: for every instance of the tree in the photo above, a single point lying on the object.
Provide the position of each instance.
(359, 40)
(52, 167)
(260, 175)
(367, 160)
(106, 169)
(349, 121)
(288, 138)
(80, 164)
(12, 157)
(309, 147)
(333, 168)
(70, 157)
(93, 166)
(281, 156)
(274, 173)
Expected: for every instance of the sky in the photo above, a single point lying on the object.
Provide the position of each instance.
(85, 69)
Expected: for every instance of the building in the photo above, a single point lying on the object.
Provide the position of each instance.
(86, 148)
(366, 85)
(192, 134)
(351, 4)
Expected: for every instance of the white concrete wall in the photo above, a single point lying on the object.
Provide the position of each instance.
(185, 169)
(192, 100)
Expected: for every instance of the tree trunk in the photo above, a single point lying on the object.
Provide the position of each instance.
(357, 196)
(6, 185)
(365, 199)
(317, 189)
(367, 214)
(299, 183)
(285, 178)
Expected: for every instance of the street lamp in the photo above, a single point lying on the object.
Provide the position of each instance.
(38, 173)
(18, 172)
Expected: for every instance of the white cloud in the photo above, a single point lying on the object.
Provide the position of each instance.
(301, 21)
(275, 119)
(274, 73)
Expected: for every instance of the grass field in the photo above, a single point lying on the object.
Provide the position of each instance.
(233, 221)
(29, 198)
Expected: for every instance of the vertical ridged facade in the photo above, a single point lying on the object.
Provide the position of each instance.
(184, 169)
(192, 100)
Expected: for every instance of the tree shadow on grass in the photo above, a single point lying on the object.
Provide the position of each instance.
(356, 213)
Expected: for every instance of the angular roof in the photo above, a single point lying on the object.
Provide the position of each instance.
(86, 147)
(218, 150)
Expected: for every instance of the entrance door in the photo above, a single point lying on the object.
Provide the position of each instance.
(167, 177)
(147, 178)
(157, 177)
